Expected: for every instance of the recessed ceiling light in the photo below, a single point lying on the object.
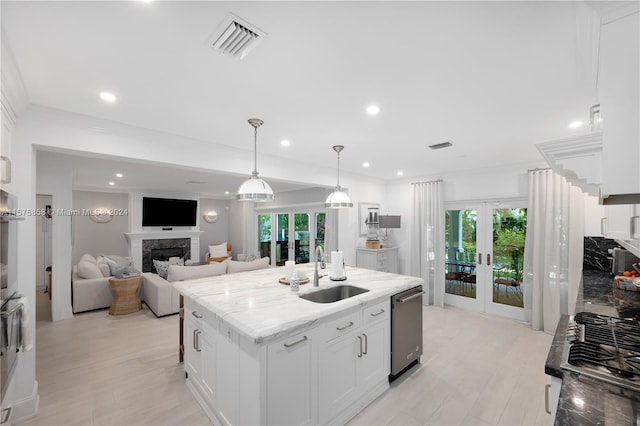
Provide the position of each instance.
(373, 109)
(400, 173)
(365, 164)
(108, 97)
(112, 183)
(119, 175)
(575, 124)
(226, 192)
(285, 142)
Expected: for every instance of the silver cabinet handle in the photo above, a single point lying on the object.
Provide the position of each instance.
(345, 327)
(632, 226)
(198, 348)
(195, 337)
(195, 314)
(488, 259)
(546, 398)
(360, 339)
(603, 226)
(6, 417)
(7, 179)
(366, 344)
(377, 313)
(479, 258)
(288, 345)
(413, 296)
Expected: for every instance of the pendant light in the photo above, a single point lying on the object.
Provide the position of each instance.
(254, 188)
(338, 198)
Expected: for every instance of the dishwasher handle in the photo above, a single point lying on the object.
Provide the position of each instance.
(413, 296)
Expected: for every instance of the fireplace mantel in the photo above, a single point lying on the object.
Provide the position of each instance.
(135, 243)
(160, 235)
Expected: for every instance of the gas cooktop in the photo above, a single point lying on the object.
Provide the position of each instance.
(605, 348)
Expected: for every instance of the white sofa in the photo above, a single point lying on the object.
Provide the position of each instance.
(163, 299)
(156, 292)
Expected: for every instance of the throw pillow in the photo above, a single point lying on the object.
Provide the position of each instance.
(88, 257)
(181, 273)
(88, 269)
(118, 265)
(236, 266)
(218, 250)
(162, 267)
(104, 266)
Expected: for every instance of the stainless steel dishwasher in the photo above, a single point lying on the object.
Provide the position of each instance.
(406, 330)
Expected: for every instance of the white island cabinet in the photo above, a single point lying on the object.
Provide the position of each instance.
(257, 354)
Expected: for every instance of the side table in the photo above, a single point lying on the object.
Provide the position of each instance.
(125, 295)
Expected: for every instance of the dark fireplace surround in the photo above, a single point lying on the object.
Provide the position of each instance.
(163, 249)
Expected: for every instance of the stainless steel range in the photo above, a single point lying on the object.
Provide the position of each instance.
(605, 348)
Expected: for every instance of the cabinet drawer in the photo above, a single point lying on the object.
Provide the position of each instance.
(343, 325)
(382, 257)
(376, 312)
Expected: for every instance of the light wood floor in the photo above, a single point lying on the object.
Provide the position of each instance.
(98, 369)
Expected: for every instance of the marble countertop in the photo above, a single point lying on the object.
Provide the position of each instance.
(258, 306)
(583, 400)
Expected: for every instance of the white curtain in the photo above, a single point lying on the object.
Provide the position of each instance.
(427, 239)
(553, 248)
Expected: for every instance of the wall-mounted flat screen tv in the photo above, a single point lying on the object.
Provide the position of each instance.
(169, 212)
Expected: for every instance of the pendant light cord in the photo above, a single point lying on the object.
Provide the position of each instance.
(255, 152)
(338, 171)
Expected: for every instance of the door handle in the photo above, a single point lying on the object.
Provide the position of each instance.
(366, 344)
(413, 296)
(546, 398)
(488, 259)
(479, 258)
(288, 345)
(360, 339)
(345, 327)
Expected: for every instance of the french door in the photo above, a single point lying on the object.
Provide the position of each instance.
(484, 253)
(291, 235)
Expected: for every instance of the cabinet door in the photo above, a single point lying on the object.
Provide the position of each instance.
(337, 378)
(366, 259)
(193, 350)
(225, 359)
(620, 221)
(618, 91)
(290, 395)
(374, 364)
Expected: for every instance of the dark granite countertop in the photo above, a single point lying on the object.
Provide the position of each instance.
(585, 401)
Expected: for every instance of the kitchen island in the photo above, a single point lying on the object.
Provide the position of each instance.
(257, 354)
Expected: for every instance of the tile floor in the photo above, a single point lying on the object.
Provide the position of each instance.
(97, 369)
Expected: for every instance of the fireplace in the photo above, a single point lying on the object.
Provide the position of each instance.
(141, 245)
(163, 249)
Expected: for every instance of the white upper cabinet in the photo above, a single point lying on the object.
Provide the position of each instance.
(618, 90)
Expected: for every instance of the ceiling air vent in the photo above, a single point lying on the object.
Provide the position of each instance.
(235, 37)
(441, 145)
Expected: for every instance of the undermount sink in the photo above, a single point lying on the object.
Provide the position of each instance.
(333, 294)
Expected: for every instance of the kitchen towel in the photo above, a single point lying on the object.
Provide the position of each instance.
(337, 265)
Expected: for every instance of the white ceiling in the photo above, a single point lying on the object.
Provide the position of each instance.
(493, 78)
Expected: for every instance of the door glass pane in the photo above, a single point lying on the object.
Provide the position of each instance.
(282, 238)
(509, 229)
(460, 252)
(321, 226)
(301, 229)
(264, 234)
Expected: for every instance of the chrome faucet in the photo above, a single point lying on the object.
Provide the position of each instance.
(316, 277)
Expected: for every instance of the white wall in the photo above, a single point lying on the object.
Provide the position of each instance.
(476, 184)
(216, 232)
(99, 238)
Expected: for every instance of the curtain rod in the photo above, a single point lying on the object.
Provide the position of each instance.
(539, 169)
(429, 181)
